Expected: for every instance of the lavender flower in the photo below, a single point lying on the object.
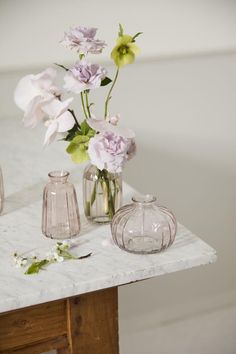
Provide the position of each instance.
(82, 39)
(84, 76)
(109, 151)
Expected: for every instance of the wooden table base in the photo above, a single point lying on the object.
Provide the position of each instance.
(85, 324)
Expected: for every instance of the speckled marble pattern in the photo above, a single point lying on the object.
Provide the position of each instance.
(25, 166)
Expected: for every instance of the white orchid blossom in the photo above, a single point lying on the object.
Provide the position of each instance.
(33, 92)
(60, 119)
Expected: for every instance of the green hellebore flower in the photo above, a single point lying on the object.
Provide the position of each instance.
(78, 146)
(125, 50)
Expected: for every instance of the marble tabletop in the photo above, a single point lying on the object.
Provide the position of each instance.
(25, 165)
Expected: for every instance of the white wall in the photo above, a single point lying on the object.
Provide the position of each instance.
(183, 110)
(187, 156)
(30, 29)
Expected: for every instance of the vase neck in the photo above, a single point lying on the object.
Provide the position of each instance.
(143, 200)
(58, 176)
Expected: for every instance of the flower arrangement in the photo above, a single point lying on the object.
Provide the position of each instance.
(101, 140)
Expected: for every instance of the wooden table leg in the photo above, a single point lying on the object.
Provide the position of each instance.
(93, 323)
(64, 351)
(85, 324)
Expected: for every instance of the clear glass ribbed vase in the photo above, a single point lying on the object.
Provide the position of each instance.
(1, 191)
(102, 194)
(60, 216)
(144, 226)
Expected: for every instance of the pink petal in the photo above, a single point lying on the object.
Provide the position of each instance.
(65, 104)
(101, 125)
(45, 79)
(72, 84)
(114, 119)
(33, 114)
(122, 131)
(25, 92)
(51, 133)
(65, 122)
(55, 108)
(52, 108)
(98, 124)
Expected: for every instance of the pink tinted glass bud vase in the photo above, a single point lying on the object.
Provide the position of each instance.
(1, 192)
(144, 226)
(60, 217)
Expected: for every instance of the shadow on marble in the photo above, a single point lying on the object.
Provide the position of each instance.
(32, 193)
(23, 198)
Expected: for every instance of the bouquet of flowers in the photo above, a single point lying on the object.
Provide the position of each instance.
(101, 140)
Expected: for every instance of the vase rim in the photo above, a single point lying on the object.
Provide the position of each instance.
(58, 174)
(144, 198)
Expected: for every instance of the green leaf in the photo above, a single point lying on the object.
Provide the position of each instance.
(86, 130)
(91, 133)
(71, 133)
(94, 192)
(36, 266)
(84, 127)
(121, 30)
(62, 66)
(67, 255)
(136, 35)
(79, 144)
(87, 209)
(106, 81)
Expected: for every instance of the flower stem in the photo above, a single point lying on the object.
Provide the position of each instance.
(73, 114)
(83, 105)
(94, 192)
(109, 93)
(109, 206)
(87, 103)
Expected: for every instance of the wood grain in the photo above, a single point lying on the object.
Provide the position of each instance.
(40, 347)
(32, 324)
(93, 322)
(64, 350)
(85, 324)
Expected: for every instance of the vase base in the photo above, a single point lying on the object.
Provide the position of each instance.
(143, 245)
(55, 233)
(99, 220)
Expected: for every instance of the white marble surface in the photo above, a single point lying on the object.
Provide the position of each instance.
(25, 166)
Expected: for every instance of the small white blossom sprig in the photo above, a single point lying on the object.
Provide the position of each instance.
(58, 253)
